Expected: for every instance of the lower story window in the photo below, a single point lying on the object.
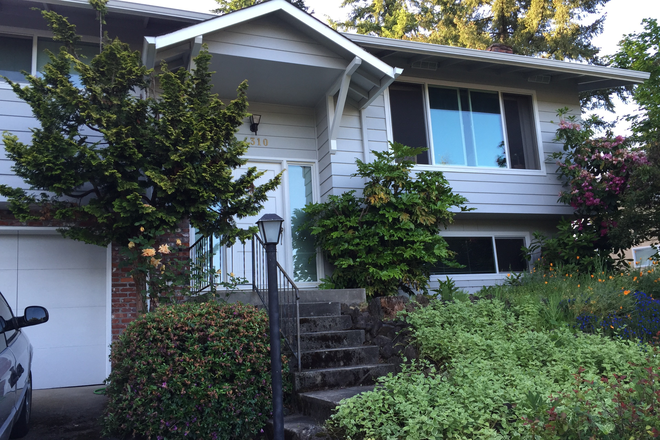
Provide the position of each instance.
(484, 255)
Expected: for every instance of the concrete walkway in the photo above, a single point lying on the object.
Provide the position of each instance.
(66, 414)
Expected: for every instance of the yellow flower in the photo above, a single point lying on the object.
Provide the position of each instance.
(154, 262)
(178, 242)
(148, 252)
(626, 292)
(131, 245)
(635, 279)
(546, 282)
(577, 258)
(141, 228)
(578, 285)
(231, 274)
(164, 249)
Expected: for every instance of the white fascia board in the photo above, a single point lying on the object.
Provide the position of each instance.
(415, 47)
(134, 9)
(266, 8)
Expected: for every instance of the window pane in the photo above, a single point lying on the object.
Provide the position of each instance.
(521, 131)
(87, 51)
(447, 127)
(475, 253)
(487, 127)
(409, 117)
(510, 257)
(304, 251)
(643, 256)
(15, 56)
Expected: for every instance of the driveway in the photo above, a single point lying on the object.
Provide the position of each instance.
(66, 414)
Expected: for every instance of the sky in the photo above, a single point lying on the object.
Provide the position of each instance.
(623, 17)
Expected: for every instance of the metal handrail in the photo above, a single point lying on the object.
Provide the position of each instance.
(202, 272)
(289, 297)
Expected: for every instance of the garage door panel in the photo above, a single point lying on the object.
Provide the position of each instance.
(69, 366)
(58, 331)
(9, 287)
(55, 252)
(8, 247)
(62, 288)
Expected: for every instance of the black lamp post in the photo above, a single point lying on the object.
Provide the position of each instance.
(270, 229)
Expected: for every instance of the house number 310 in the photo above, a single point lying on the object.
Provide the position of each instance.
(259, 142)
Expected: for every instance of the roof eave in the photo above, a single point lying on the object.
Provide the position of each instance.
(414, 47)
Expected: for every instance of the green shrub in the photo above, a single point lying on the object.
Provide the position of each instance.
(199, 371)
(389, 238)
(493, 367)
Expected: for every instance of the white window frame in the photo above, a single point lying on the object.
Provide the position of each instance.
(9, 31)
(477, 87)
(493, 235)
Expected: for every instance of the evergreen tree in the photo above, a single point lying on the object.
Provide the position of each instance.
(114, 163)
(546, 28)
(227, 6)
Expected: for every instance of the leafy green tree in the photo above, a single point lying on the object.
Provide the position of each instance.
(112, 162)
(388, 238)
(640, 202)
(547, 28)
(227, 6)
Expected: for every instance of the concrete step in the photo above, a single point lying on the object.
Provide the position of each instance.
(339, 357)
(320, 309)
(319, 405)
(342, 296)
(342, 377)
(325, 323)
(298, 427)
(331, 339)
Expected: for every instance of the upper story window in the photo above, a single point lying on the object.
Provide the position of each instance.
(15, 57)
(465, 127)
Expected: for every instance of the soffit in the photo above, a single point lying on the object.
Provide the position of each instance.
(415, 56)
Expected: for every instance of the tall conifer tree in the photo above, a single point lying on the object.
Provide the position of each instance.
(556, 29)
(227, 6)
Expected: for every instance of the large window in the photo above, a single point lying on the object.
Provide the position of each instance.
(304, 250)
(465, 127)
(86, 51)
(15, 57)
(483, 255)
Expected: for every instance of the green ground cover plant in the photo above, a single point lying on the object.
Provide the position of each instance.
(191, 371)
(495, 367)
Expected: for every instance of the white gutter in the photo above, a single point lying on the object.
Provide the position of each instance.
(414, 47)
(134, 9)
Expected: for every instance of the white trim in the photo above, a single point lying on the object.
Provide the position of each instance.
(465, 168)
(108, 309)
(525, 235)
(134, 9)
(414, 47)
(266, 8)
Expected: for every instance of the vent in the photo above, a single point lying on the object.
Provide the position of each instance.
(541, 79)
(425, 65)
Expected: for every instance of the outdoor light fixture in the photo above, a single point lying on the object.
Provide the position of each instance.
(254, 123)
(270, 229)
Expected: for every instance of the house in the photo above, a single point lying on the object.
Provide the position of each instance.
(325, 99)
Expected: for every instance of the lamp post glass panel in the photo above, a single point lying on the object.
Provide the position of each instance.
(270, 229)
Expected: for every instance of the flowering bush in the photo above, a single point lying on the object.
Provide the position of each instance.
(597, 171)
(161, 270)
(199, 371)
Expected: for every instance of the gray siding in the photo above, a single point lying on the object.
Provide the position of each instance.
(271, 39)
(489, 191)
(290, 132)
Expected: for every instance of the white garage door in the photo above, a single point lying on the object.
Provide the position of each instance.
(69, 279)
